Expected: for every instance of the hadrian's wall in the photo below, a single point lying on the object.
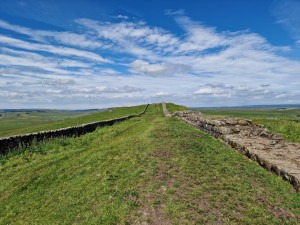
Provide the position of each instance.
(14, 142)
(254, 141)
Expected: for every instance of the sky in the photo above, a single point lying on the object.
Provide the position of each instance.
(84, 54)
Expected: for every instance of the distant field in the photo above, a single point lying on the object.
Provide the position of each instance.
(145, 170)
(14, 123)
(14, 120)
(285, 121)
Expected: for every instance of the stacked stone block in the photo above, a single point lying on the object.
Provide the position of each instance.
(254, 141)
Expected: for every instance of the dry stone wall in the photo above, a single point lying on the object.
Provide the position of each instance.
(254, 141)
(10, 143)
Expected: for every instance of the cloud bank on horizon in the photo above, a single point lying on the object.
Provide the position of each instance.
(123, 60)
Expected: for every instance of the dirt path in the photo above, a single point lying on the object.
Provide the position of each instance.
(254, 141)
(165, 110)
(152, 210)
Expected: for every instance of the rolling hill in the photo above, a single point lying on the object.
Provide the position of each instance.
(146, 170)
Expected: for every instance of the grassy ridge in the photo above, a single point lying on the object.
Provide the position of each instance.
(148, 169)
(30, 125)
(173, 107)
(283, 121)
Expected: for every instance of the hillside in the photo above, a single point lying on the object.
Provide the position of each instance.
(146, 170)
(50, 120)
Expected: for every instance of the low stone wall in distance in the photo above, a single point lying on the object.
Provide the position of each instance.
(22, 141)
(254, 141)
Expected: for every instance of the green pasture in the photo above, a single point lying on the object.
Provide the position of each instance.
(14, 123)
(145, 170)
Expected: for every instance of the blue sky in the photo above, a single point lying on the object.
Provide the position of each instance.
(97, 54)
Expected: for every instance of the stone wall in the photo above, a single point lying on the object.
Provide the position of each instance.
(22, 141)
(254, 141)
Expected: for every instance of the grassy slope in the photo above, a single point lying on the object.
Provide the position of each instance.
(147, 169)
(12, 121)
(15, 126)
(173, 108)
(285, 122)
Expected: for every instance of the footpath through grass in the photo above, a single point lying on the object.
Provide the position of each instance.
(284, 121)
(30, 124)
(148, 169)
(173, 107)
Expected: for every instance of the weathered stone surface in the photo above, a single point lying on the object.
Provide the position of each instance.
(254, 141)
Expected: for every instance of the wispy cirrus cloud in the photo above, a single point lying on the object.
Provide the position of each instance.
(60, 37)
(37, 60)
(135, 38)
(287, 13)
(127, 61)
(58, 50)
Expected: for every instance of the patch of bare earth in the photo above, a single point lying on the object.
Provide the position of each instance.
(151, 210)
(281, 213)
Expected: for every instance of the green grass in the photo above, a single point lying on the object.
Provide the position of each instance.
(147, 169)
(257, 113)
(173, 107)
(283, 121)
(11, 121)
(289, 129)
(49, 120)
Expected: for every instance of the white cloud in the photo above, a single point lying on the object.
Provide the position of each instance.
(209, 91)
(65, 38)
(121, 17)
(53, 91)
(161, 94)
(281, 96)
(246, 93)
(158, 69)
(106, 89)
(201, 67)
(199, 37)
(218, 90)
(8, 70)
(63, 51)
(137, 38)
(37, 59)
